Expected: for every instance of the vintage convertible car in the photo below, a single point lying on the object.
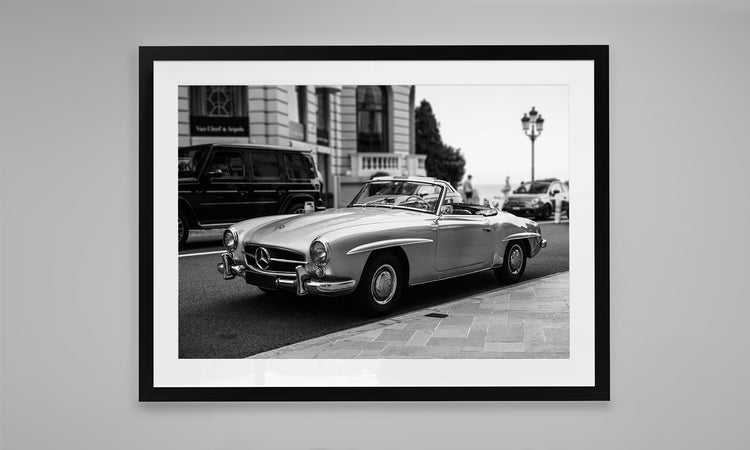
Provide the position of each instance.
(397, 232)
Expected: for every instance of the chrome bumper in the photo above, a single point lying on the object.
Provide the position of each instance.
(302, 283)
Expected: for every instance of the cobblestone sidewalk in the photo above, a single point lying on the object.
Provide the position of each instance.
(527, 320)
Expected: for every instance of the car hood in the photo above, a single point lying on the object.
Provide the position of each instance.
(298, 231)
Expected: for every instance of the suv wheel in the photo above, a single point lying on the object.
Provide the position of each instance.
(295, 208)
(183, 229)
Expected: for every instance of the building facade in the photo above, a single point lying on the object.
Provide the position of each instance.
(355, 132)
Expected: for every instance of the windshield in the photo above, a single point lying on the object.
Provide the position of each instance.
(189, 161)
(399, 194)
(536, 187)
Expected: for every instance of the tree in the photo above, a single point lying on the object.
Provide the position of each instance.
(427, 130)
(447, 163)
(443, 161)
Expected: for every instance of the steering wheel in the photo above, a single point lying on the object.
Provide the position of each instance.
(417, 199)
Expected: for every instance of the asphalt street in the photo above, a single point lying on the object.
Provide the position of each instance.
(231, 319)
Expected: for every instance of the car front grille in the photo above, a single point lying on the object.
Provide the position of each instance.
(512, 204)
(281, 260)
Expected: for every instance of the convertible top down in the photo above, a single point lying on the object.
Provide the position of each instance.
(397, 232)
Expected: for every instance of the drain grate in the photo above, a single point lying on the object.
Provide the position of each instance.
(438, 315)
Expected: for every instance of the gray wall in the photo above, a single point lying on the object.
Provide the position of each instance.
(679, 179)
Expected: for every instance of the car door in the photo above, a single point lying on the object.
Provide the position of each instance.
(300, 175)
(225, 183)
(464, 243)
(267, 190)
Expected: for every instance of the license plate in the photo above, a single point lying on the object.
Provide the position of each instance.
(260, 280)
(515, 207)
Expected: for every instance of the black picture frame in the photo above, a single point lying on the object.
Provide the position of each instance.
(599, 54)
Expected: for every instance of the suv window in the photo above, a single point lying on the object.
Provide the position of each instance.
(189, 161)
(228, 163)
(299, 166)
(265, 165)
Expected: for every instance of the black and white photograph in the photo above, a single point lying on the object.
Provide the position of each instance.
(373, 221)
(376, 224)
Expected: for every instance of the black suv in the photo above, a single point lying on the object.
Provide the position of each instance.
(221, 184)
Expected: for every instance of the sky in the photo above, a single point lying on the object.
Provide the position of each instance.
(485, 123)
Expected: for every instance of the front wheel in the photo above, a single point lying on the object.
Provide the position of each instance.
(514, 263)
(381, 284)
(546, 212)
(183, 230)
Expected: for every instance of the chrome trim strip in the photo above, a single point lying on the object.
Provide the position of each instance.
(288, 261)
(270, 272)
(215, 225)
(387, 243)
(452, 276)
(524, 235)
(329, 287)
(226, 203)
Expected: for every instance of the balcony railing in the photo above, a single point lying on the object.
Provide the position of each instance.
(368, 164)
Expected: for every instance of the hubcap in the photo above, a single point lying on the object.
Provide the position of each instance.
(515, 260)
(180, 229)
(383, 285)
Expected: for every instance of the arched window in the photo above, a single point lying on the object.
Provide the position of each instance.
(372, 116)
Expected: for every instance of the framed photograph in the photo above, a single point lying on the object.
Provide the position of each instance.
(374, 223)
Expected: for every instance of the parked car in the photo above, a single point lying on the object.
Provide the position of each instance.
(397, 232)
(537, 199)
(222, 184)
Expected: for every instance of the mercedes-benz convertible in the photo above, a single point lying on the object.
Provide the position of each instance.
(397, 232)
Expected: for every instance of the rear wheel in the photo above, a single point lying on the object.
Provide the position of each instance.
(514, 263)
(183, 229)
(381, 284)
(295, 208)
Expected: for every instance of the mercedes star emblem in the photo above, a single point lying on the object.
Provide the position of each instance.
(262, 258)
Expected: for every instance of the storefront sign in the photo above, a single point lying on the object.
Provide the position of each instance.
(219, 126)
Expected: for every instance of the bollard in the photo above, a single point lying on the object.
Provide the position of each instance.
(558, 207)
(309, 207)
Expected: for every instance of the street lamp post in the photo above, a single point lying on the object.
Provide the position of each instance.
(532, 127)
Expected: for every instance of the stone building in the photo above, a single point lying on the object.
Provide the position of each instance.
(355, 132)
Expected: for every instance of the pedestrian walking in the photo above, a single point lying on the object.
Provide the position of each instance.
(468, 190)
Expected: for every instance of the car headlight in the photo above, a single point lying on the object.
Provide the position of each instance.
(320, 252)
(506, 200)
(230, 240)
(536, 200)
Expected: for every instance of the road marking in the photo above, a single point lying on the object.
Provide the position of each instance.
(201, 254)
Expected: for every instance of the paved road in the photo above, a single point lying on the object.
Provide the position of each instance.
(231, 319)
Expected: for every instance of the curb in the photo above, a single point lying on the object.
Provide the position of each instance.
(338, 335)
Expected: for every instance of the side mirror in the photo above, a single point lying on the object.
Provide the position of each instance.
(445, 209)
(216, 173)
